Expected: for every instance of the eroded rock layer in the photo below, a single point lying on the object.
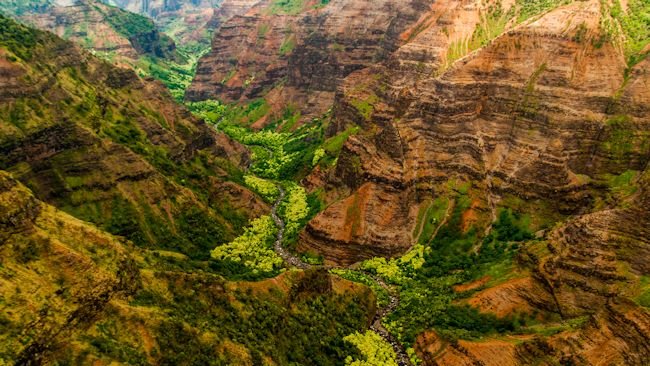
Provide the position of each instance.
(536, 113)
(540, 116)
(298, 57)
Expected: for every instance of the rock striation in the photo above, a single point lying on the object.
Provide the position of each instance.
(298, 57)
(534, 114)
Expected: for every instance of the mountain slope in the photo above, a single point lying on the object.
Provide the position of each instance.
(109, 148)
(106, 147)
(92, 24)
(74, 294)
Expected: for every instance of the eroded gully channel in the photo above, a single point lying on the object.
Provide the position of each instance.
(376, 326)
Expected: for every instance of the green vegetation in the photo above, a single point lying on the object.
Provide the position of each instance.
(400, 269)
(625, 138)
(276, 155)
(253, 249)
(334, 144)
(318, 155)
(623, 185)
(644, 297)
(357, 276)
(19, 39)
(267, 189)
(530, 8)
(430, 217)
(374, 349)
(425, 276)
(288, 44)
(635, 24)
(493, 23)
(291, 7)
(211, 111)
(366, 106)
(175, 72)
(262, 30)
(214, 322)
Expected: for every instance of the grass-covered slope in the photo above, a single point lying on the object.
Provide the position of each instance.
(97, 142)
(95, 25)
(116, 35)
(73, 294)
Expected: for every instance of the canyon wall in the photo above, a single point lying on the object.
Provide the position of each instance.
(296, 57)
(536, 113)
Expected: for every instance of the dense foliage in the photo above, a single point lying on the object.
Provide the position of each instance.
(427, 274)
(253, 249)
(375, 351)
(265, 188)
(294, 210)
(213, 322)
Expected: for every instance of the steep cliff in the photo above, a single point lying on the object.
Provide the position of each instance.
(493, 106)
(537, 113)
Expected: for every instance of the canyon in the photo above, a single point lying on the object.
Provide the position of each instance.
(468, 179)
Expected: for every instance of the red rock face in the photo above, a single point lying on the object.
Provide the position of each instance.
(530, 115)
(299, 59)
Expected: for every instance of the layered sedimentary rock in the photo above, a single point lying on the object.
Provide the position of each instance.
(536, 113)
(548, 111)
(298, 57)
